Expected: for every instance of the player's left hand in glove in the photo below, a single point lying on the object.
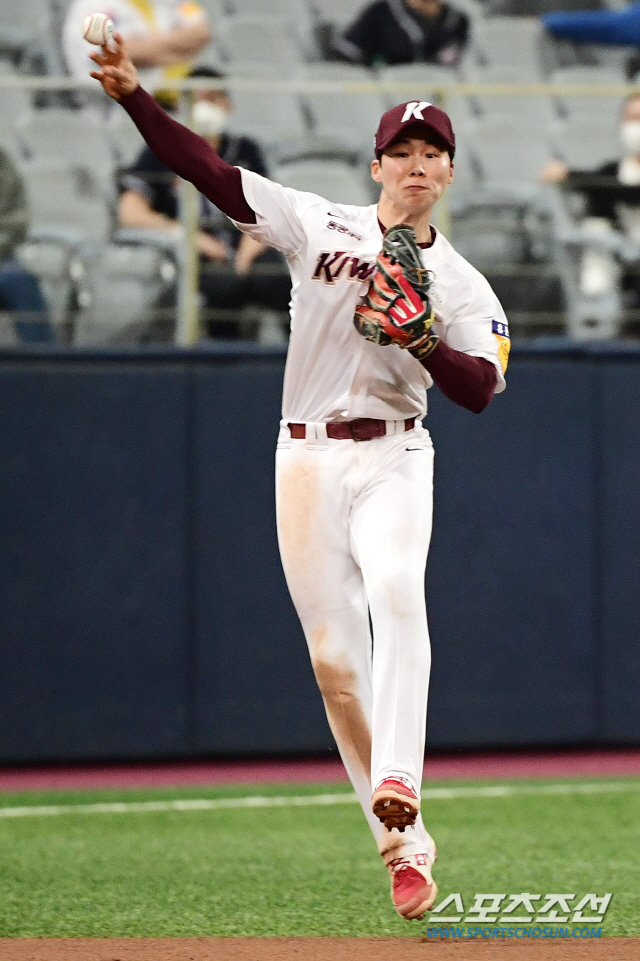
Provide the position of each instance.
(396, 308)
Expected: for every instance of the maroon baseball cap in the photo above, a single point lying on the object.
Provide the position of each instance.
(396, 120)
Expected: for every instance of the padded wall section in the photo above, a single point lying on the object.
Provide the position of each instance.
(510, 577)
(92, 561)
(255, 690)
(618, 551)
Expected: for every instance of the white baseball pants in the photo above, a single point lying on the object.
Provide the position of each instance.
(354, 524)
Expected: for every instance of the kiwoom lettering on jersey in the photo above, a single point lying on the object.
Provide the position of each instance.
(342, 265)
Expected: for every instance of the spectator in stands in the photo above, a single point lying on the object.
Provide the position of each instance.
(612, 194)
(163, 36)
(19, 290)
(405, 31)
(149, 199)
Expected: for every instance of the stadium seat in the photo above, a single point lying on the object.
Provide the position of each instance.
(462, 113)
(465, 186)
(588, 104)
(22, 22)
(125, 138)
(294, 10)
(66, 204)
(339, 72)
(72, 134)
(352, 117)
(121, 286)
(330, 179)
(510, 41)
(340, 13)
(52, 263)
(268, 117)
(14, 103)
(510, 156)
(262, 40)
(591, 313)
(417, 80)
(585, 143)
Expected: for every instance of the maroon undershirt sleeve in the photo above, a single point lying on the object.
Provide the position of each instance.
(189, 156)
(467, 381)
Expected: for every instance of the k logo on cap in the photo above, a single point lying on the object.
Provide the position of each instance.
(394, 121)
(414, 110)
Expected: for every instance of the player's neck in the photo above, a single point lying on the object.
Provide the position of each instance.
(390, 214)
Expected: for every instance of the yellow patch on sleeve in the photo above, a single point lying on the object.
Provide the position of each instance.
(504, 346)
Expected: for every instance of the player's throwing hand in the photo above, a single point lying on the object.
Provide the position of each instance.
(118, 76)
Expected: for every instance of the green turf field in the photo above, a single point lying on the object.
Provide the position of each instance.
(299, 870)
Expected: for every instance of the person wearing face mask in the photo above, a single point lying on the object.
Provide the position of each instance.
(612, 195)
(149, 200)
(404, 31)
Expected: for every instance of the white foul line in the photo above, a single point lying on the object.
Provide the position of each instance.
(312, 800)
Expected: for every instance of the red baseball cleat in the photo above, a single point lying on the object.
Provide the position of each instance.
(395, 804)
(413, 890)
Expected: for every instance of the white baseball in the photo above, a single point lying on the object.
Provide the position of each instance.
(98, 29)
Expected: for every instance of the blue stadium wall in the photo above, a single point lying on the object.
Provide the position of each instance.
(144, 613)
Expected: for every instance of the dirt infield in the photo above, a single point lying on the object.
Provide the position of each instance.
(312, 949)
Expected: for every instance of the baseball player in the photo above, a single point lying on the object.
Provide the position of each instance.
(382, 306)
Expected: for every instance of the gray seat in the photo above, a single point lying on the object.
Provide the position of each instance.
(74, 135)
(418, 81)
(353, 117)
(22, 23)
(65, 202)
(591, 314)
(335, 72)
(588, 104)
(125, 139)
(338, 12)
(119, 293)
(260, 40)
(268, 117)
(465, 186)
(510, 155)
(292, 9)
(539, 109)
(14, 103)
(461, 113)
(51, 263)
(515, 41)
(330, 179)
(585, 143)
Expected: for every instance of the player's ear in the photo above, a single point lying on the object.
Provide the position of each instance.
(375, 171)
(451, 166)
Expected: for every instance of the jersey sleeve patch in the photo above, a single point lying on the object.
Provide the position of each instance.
(500, 330)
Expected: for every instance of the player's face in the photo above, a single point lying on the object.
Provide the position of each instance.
(414, 173)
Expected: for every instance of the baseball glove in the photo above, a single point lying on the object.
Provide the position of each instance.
(396, 308)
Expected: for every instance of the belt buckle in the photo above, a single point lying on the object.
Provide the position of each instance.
(354, 426)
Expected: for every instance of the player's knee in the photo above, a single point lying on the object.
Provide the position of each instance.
(401, 591)
(336, 682)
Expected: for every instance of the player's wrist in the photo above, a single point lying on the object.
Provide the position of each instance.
(424, 347)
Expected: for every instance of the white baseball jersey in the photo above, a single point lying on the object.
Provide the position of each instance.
(138, 18)
(332, 372)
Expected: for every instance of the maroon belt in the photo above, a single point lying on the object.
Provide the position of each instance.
(364, 428)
